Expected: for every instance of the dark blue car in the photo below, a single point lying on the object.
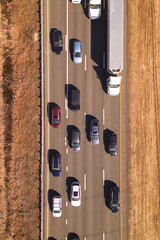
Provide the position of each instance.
(56, 165)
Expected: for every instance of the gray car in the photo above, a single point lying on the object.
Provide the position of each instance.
(94, 131)
(75, 140)
(77, 52)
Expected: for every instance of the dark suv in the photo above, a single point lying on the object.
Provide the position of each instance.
(114, 201)
(56, 165)
(57, 42)
(112, 144)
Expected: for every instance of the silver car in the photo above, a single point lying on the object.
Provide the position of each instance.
(94, 131)
(77, 52)
(75, 140)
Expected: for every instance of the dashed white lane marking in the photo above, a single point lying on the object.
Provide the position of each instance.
(85, 63)
(103, 236)
(66, 203)
(66, 150)
(104, 60)
(84, 182)
(103, 116)
(85, 238)
(66, 221)
(66, 168)
(103, 176)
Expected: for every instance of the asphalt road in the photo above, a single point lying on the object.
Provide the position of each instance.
(91, 166)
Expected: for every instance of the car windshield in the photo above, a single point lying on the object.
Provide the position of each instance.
(75, 144)
(77, 54)
(55, 121)
(57, 211)
(114, 86)
(95, 6)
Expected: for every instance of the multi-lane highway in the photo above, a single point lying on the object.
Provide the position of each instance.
(91, 166)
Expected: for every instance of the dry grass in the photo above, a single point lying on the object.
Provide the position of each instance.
(143, 107)
(19, 118)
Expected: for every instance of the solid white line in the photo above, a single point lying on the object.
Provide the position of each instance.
(48, 79)
(103, 116)
(104, 60)
(103, 176)
(67, 59)
(103, 236)
(66, 221)
(66, 43)
(66, 168)
(85, 65)
(66, 150)
(84, 182)
(85, 238)
(66, 203)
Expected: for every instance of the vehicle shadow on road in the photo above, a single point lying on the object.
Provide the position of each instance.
(52, 238)
(87, 127)
(69, 181)
(51, 38)
(101, 76)
(51, 194)
(72, 235)
(50, 105)
(107, 185)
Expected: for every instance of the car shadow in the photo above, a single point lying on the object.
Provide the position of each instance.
(51, 38)
(84, 4)
(51, 152)
(88, 120)
(102, 76)
(69, 134)
(51, 194)
(107, 185)
(50, 105)
(106, 133)
(71, 41)
(72, 235)
(69, 181)
(52, 238)
(68, 93)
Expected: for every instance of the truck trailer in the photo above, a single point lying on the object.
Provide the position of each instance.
(114, 46)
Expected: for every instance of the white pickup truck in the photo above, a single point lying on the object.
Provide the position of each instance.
(94, 9)
(57, 206)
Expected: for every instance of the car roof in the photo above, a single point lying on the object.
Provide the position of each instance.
(77, 46)
(115, 192)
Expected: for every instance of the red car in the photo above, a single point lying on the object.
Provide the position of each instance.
(56, 116)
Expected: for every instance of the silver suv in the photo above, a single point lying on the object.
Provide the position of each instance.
(94, 131)
(75, 140)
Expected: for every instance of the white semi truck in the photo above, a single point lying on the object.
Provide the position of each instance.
(114, 46)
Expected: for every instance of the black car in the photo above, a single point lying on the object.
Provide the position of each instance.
(114, 201)
(73, 236)
(75, 100)
(112, 144)
(56, 164)
(57, 42)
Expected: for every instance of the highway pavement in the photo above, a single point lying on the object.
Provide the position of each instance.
(91, 166)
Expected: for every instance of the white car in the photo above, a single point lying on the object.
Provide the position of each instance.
(57, 206)
(75, 194)
(76, 1)
(113, 85)
(77, 52)
(94, 9)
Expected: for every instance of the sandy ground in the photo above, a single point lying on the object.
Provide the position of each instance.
(19, 116)
(143, 128)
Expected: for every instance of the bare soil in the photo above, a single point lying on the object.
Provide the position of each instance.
(19, 120)
(143, 120)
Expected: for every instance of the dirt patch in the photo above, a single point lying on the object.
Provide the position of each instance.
(143, 108)
(19, 119)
